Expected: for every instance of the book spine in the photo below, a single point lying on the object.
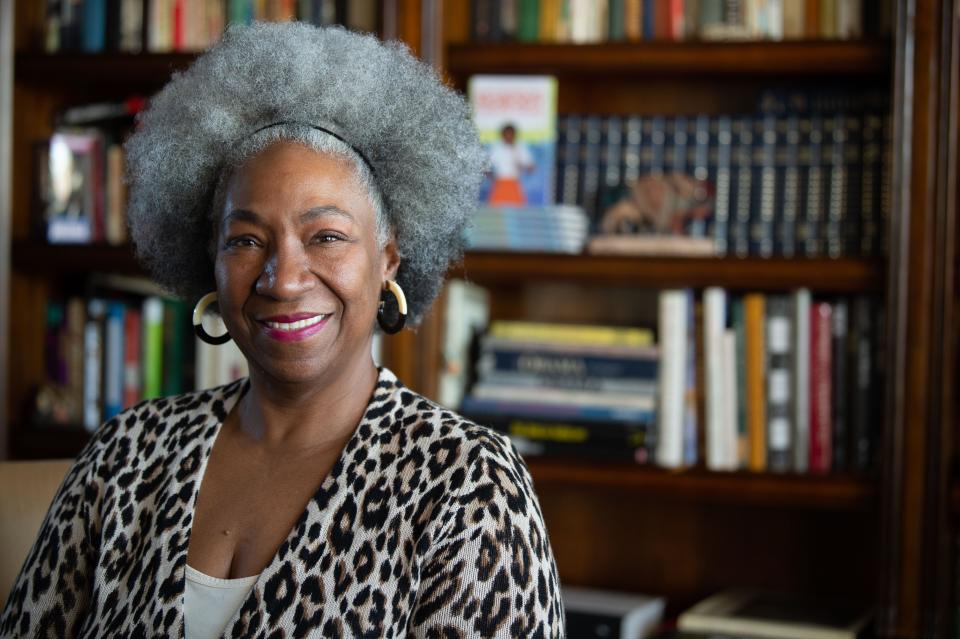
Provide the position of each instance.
(677, 134)
(94, 25)
(658, 145)
(633, 20)
(113, 360)
(612, 183)
(631, 149)
(779, 384)
(743, 187)
(738, 320)
(886, 184)
(870, 185)
(839, 384)
(701, 168)
(131, 357)
(754, 313)
(762, 228)
(174, 322)
(591, 153)
(616, 21)
(730, 397)
(112, 26)
(801, 380)
(571, 168)
(836, 132)
(714, 320)
(152, 319)
(724, 190)
(790, 187)
(692, 431)
(814, 200)
(93, 350)
(673, 345)
(131, 26)
(821, 399)
(528, 28)
(864, 417)
(548, 363)
(855, 223)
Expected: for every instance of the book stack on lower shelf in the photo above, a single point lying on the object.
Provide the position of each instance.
(586, 391)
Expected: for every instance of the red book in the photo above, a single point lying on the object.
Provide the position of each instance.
(676, 28)
(821, 388)
(179, 32)
(131, 357)
(662, 21)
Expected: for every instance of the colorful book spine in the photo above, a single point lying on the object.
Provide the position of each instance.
(131, 357)
(152, 319)
(779, 343)
(93, 349)
(113, 360)
(754, 314)
(821, 395)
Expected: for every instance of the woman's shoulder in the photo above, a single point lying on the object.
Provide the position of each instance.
(157, 416)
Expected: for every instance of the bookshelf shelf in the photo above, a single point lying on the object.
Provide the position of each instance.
(103, 70)
(820, 58)
(827, 492)
(47, 441)
(823, 275)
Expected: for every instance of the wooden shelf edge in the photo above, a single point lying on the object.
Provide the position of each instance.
(824, 57)
(827, 492)
(84, 69)
(775, 274)
(36, 257)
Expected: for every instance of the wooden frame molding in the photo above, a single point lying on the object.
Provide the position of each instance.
(6, 184)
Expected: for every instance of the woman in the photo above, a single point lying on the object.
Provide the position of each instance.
(308, 178)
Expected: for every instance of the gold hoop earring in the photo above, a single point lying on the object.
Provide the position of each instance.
(394, 289)
(198, 312)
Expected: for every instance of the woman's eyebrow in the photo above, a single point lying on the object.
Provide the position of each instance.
(323, 211)
(242, 215)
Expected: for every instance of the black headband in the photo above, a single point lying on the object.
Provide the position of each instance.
(325, 130)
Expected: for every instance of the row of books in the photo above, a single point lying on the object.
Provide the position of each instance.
(544, 229)
(161, 26)
(587, 21)
(789, 382)
(108, 351)
(801, 184)
(779, 383)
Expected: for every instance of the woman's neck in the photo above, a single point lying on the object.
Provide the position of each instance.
(306, 416)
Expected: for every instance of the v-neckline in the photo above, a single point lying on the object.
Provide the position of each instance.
(230, 402)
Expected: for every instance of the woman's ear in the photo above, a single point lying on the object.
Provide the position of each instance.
(391, 258)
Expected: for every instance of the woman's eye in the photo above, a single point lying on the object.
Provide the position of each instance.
(324, 238)
(242, 241)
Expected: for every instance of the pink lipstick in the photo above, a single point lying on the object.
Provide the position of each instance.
(294, 328)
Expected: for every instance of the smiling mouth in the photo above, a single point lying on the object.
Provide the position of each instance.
(296, 326)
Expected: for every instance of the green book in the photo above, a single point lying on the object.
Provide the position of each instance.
(528, 29)
(152, 347)
(743, 437)
(174, 346)
(616, 18)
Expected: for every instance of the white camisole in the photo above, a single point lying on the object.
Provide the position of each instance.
(209, 603)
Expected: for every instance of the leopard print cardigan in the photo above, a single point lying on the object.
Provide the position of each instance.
(427, 526)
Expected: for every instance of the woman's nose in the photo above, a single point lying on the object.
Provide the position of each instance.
(286, 274)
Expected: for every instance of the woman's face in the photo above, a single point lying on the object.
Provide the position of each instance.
(298, 266)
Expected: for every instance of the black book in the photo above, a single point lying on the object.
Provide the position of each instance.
(839, 378)
(865, 414)
(854, 227)
(590, 152)
(723, 200)
(871, 159)
(811, 162)
(835, 135)
(570, 171)
(763, 211)
(742, 187)
(113, 26)
(611, 184)
(788, 185)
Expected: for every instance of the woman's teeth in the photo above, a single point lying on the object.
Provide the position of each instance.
(296, 326)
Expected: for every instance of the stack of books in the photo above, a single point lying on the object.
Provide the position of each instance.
(586, 391)
(591, 21)
(549, 229)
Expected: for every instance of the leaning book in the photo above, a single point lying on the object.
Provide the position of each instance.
(762, 615)
(516, 118)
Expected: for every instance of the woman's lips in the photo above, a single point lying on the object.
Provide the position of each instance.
(293, 328)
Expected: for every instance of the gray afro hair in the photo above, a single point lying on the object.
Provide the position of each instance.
(391, 108)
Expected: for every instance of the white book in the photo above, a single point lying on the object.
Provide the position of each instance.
(801, 380)
(672, 324)
(714, 320)
(467, 311)
(636, 616)
(93, 364)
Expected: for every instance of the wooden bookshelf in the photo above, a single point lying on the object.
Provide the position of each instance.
(99, 70)
(828, 492)
(764, 59)
(498, 268)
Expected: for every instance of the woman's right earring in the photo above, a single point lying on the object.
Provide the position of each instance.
(198, 311)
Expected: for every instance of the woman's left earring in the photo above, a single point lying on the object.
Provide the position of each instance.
(198, 312)
(392, 288)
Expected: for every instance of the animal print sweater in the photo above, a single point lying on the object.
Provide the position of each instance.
(427, 526)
